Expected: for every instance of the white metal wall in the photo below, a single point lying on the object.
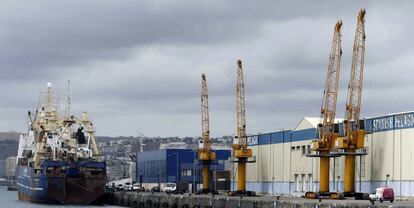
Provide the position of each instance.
(283, 169)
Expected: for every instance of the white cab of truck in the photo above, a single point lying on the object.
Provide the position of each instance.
(170, 187)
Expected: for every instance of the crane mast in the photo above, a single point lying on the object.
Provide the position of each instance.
(326, 132)
(353, 139)
(204, 151)
(241, 152)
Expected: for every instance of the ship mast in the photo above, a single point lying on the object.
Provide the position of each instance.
(67, 113)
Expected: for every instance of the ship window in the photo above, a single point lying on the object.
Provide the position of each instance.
(49, 169)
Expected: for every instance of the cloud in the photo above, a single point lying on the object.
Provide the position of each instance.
(136, 65)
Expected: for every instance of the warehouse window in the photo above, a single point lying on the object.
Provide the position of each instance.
(292, 148)
(309, 149)
(186, 172)
(310, 188)
(302, 187)
(336, 166)
(296, 183)
(303, 150)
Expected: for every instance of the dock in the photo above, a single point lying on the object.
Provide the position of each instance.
(148, 199)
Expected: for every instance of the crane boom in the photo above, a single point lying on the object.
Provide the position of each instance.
(353, 106)
(331, 86)
(241, 107)
(205, 126)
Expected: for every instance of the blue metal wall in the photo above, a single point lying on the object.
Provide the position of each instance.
(162, 164)
(390, 122)
(282, 137)
(376, 124)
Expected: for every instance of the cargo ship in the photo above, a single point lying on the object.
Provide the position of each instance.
(58, 159)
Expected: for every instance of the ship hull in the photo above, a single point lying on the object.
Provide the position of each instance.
(74, 185)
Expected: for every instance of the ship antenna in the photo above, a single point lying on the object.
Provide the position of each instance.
(49, 97)
(68, 101)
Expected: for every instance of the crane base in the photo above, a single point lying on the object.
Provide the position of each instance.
(242, 193)
(323, 195)
(206, 191)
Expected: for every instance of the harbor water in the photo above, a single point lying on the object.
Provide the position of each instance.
(9, 199)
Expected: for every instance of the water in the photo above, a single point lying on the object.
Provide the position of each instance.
(9, 199)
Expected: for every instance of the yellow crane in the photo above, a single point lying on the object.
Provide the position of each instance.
(352, 144)
(326, 132)
(241, 152)
(205, 154)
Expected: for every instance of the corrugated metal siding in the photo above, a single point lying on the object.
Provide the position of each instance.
(301, 135)
(264, 139)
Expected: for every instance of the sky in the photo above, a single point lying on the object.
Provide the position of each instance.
(135, 65)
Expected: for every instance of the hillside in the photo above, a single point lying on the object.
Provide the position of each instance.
(11, 135)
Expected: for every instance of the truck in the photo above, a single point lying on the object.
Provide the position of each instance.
(382, 194)
(176, 188)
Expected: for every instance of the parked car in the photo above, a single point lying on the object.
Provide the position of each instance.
(137, 187)
(382, 194)
(155, 189)
(127, 186)
(120, 187)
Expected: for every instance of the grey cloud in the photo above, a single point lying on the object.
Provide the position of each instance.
(137, 64)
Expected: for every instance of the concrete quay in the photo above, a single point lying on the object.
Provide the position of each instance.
(162, 200)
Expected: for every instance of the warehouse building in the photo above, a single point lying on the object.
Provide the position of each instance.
(282, 166)
(176, 165)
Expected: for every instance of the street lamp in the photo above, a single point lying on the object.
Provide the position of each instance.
(194, 171)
